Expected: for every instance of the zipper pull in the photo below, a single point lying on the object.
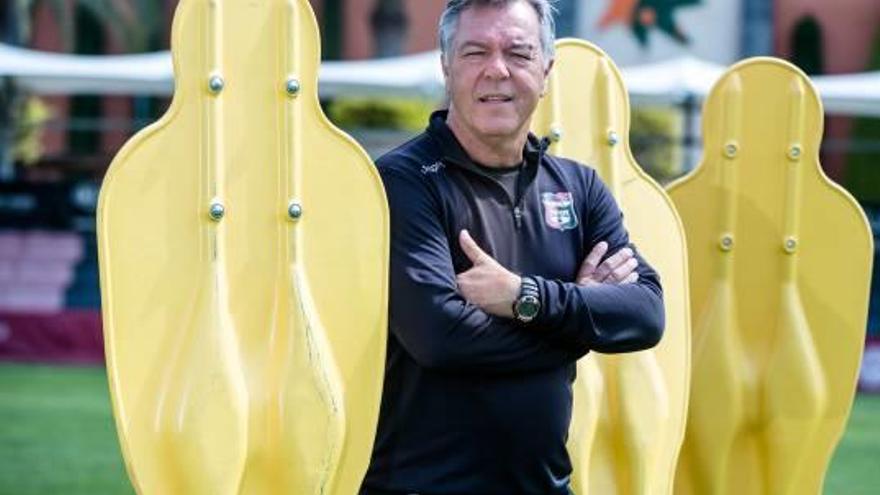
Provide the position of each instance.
(517, 217)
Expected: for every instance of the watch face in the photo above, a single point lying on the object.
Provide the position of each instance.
(527, 308)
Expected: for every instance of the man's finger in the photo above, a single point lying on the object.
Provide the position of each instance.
(623, 270)
(591, 262)
(612, 263)
(471, 249)
(631, 278)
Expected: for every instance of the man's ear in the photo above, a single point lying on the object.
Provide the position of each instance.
(547, 76)
(445, 67)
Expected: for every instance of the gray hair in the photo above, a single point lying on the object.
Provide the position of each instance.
(454, 8)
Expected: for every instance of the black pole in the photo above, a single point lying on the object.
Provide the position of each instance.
(9, 23)
(565, 18)
(332, 32)
(689, 140)
(9, 99)
(757, 33)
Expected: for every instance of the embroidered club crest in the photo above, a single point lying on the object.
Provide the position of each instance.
(559, 210)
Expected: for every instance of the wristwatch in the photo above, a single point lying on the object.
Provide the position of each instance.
(528, 304)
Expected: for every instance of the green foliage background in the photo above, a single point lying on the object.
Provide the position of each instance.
(395, 114)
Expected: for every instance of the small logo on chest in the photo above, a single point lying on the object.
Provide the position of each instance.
(432, 168)
(559, 210)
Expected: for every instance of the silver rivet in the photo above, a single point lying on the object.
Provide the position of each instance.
(726, 242)
(216, 84)
(794, 152)
(216, 211)
(731, 149)
(556, 134)
(294, 210)
(292, 86)
(790, 245)
(613, 138)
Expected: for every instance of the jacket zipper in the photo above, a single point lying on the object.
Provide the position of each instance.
(520, 194)
(517, 217)
(519, 199)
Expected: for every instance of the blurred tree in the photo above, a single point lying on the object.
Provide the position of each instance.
(137, 24)
(655, 134)
(380, 113)
(27, 146)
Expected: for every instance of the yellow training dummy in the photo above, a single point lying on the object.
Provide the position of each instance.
(243, 251)
(629, 410)
(780, 265)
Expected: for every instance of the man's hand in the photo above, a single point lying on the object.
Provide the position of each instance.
(619, 268)
(487, 284)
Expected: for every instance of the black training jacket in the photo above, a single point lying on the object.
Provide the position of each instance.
(475, 404)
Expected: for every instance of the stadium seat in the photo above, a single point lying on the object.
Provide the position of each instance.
(38, 267)
(10, 244)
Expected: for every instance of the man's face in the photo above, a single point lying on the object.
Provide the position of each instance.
(495, 71)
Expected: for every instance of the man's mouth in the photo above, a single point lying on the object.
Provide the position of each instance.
(495, 99)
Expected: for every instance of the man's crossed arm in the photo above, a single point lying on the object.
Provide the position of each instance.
(433, 319)
(494, 288)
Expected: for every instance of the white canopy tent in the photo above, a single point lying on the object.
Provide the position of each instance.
(152, 74)
(850, 94)
(60, 73)
(670, 82)
(674, 81)
(410, 75)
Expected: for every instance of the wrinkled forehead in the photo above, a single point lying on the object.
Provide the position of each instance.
(514, 24)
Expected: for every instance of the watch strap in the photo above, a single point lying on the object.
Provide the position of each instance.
(529, 296)
(529, 287)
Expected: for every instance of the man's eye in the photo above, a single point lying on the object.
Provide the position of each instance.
(473, 54)
(523, 56)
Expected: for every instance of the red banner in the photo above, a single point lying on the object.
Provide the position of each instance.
(71, 336)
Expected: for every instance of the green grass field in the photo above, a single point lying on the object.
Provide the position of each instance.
(57, 437)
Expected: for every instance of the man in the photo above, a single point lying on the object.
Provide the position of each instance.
(496, 282)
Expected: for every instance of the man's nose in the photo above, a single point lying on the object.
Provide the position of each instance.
(496, 67)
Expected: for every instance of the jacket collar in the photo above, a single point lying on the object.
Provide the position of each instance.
(454, 153)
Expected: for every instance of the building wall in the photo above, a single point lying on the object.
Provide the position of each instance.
(848, 30)
(47, 36)
(357, 38)
(358, 43)
(422, 16)
(849, 27)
